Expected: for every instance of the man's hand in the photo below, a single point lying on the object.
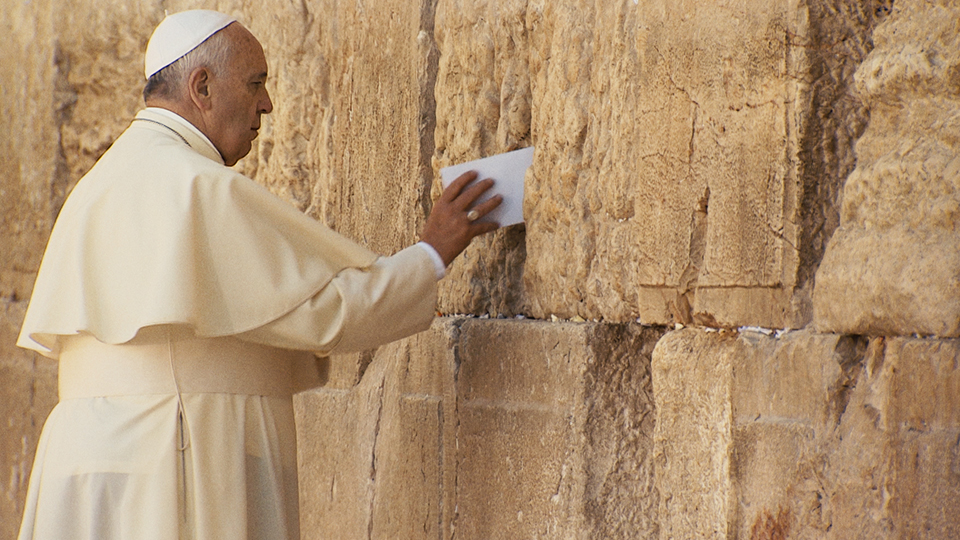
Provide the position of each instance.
(454, 220)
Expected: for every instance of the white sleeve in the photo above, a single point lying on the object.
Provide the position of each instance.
(437, 260)
(360, 309)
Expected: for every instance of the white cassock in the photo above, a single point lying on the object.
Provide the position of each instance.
(181, 299)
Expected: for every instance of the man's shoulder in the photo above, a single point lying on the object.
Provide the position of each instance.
(147, 152)
(144, 165)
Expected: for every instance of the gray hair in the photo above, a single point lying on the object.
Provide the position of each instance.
(169, 82)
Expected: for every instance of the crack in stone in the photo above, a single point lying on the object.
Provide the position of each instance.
(373, 460)
(455, 337)
(850, 353)
(686, 288)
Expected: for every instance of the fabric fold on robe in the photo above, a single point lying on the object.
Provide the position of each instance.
(202, 246)
(123, 476)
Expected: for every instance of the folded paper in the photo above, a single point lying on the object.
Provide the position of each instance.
(507, 171)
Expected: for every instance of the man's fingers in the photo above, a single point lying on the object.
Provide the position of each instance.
(484, 227)
(464, 191)
(474, 191)
(456, 187)
(488, 205)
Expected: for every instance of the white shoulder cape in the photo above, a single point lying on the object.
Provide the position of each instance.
(161, 232)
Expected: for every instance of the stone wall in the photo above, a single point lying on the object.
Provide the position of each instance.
(806, 435)
(29, 195)
(728, 167)
(486, 429)
(688, 158)
(894, 265)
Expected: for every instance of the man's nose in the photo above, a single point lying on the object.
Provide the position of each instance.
(266, 106)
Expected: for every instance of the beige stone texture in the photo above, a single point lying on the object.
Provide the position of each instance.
(788, 395)
(694, 434)
(351, 135)
(688, 155)
(806, 436)
(32, 186)
(71, 87)
(28, 144)
(28, 391)
(373, 462)
(486, 429)
(349, 139)
(893, 267)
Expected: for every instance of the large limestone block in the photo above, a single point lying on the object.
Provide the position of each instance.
(483, 107)
(555, 425)
(485, 429)
(99, 63)
(27, 394)
(893, 468)
(806, 436)
(788, 396)
(688, 155)
(693, 436)
(915, 391)
(351, 135)
(737, 422)
(377, 459)
(893, 267)
(28, 142)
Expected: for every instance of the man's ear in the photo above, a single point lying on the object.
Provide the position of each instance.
(198, 86)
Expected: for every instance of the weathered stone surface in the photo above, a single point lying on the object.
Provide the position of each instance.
(483, 108)
(915, 392)
(788, 397)
(486, 429)
(28, 143)
(352, 131)
(28, 391)
(669, 183)
(806, 436)
(99, 70)
(893, 268)
(71, 86)
(351, 135)
(376, 459)
(554, 433)
(693, 436)
(29, 193)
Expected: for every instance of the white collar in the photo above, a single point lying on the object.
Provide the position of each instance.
(167, 113)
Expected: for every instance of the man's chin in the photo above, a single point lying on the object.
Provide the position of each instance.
(240, 155)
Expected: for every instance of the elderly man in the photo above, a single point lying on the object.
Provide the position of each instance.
(181, 299)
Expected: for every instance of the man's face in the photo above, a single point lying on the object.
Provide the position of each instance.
(239, 97)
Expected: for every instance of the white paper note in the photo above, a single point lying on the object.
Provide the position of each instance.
(507, 171)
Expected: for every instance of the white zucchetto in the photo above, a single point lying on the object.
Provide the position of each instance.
(179, 34)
